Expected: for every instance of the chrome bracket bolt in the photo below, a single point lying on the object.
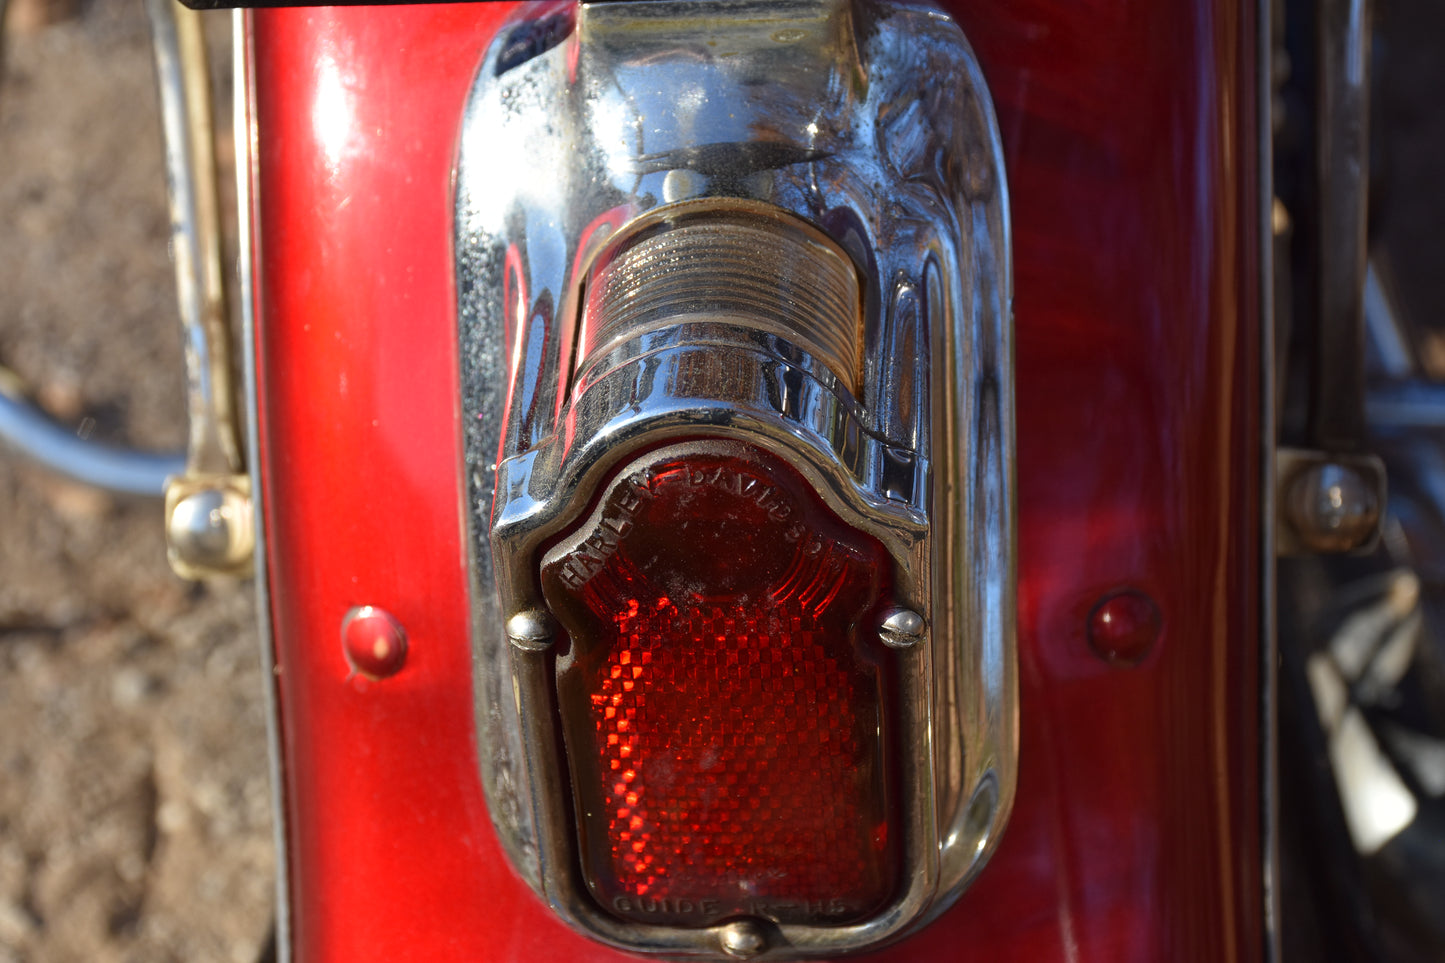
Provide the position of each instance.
(1329, 503)
(210, 525)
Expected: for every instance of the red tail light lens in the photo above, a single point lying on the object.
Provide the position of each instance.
(724, 695)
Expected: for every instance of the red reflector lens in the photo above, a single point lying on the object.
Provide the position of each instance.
(723, 695)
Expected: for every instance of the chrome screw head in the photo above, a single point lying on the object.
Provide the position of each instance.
(532, 631)
(743, 939)
(902, 629)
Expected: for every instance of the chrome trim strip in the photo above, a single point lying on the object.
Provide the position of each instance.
(1268, 504)
(185, 98)
(248, 241)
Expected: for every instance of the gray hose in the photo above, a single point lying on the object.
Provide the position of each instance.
(37, 437)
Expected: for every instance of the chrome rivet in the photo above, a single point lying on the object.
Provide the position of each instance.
(743, 939)
(532, 630)
(1124, 626)
(902, 629)
(1332, 508)
(374, 642)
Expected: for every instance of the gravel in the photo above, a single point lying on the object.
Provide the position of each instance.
(135, 819)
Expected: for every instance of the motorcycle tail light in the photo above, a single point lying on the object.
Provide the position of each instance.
(737, 406)
(724, 694)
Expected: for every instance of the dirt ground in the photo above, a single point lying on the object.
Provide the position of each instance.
(135, 818)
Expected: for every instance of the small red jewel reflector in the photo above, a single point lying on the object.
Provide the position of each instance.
(724, 695)
(374, 642)
(1124, 626)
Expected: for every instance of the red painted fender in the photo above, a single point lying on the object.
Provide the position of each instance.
(1130, 136)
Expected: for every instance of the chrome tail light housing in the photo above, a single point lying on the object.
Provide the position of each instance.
(734, 316)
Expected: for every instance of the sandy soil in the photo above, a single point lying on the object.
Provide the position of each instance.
(135, 816)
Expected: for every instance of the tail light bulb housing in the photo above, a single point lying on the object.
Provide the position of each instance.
(737, 406)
